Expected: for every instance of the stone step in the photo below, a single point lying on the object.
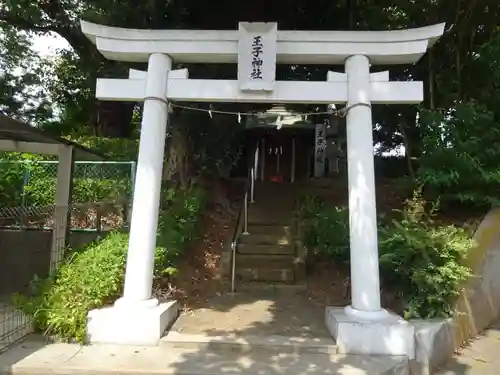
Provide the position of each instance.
(73, 359)
(273, 230)
(267, 288)
(263, 249)
(248, 344)
(264, 261)
(282, 275)
(266, 239)
(268, 219)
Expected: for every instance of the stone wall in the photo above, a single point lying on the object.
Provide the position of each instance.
(479, 303)
(24, 254)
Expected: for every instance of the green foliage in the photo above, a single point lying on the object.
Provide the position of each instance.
(87, 279)
(419, 260)
(92, 182)
(461, 66)
(22, 76)
(93, 276)
(325, 229)
(459, 161)
(113, 148)
(177, 224)
(422, 261)
(214, 143)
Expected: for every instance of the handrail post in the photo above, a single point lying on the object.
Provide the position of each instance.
(262, 159)
(256, 161)
(292, 174)
(252, 185)
(245, 227)
(233, 267)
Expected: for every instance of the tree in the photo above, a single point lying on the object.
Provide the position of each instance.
(450, 70)
(22, 93)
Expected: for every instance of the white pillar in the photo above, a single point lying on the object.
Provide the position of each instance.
(63, 201)
(365, 284)
(144, 221)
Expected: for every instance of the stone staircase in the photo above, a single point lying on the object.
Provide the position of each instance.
(268, 253)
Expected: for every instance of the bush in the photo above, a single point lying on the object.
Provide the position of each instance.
(59, 306)
(325, 229)
(177, 225)
(93, 276)
(419, 261)
(422, 262)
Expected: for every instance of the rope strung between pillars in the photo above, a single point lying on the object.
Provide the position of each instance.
(332, 112)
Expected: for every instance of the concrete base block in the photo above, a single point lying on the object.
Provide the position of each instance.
(126, 324)
(434, 345)
(391, 335)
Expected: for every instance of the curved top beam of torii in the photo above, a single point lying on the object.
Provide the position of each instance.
(293, 47)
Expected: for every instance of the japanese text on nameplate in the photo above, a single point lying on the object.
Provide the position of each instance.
(257, 62)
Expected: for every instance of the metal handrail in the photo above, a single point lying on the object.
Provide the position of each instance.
(249, 190)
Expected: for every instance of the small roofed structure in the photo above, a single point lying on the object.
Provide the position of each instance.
(17, 136)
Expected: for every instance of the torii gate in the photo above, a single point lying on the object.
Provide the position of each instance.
(257, 47)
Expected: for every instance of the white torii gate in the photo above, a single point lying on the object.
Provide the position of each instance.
(257, 47)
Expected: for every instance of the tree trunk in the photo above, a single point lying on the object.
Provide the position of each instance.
(113, 119)
(177, 164)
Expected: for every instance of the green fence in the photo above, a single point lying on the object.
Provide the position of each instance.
(102, 191)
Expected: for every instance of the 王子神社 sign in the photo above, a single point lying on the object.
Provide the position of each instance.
(137, 318)
(257, 56)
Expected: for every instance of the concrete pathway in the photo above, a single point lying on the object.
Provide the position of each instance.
(36, 358)
(482, 357)
(287, 312)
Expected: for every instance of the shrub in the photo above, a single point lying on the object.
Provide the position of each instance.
(325, 229)
(93, 276)
(419, 260)
(423, 262)
(88, 279)
(177, 224)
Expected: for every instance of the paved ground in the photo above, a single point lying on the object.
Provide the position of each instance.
(482, 357)
(287, 313)
(36, 358)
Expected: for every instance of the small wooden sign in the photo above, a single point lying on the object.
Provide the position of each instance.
(320, 151)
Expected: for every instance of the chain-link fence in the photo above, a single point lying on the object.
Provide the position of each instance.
(34, 231)
(101, 194)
